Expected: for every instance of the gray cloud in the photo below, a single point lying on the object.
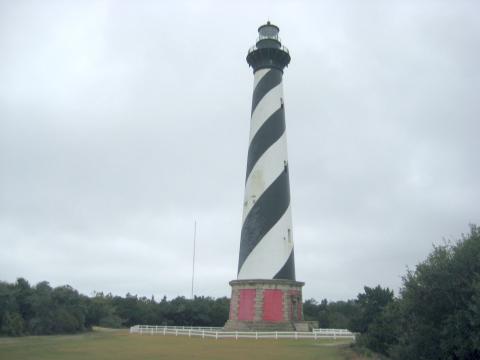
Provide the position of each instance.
(122, 122)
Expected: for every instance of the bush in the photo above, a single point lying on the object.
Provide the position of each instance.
(111, 321)
(13, 324)
(437, 315)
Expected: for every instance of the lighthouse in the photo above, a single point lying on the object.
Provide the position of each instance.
(265, 294)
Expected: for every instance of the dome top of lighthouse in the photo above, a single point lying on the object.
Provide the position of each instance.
(268, 30)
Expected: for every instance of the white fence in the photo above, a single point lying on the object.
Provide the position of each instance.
(334, 332)
(218, 333)
(157, 328)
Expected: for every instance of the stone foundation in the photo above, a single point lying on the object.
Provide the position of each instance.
(268, 305)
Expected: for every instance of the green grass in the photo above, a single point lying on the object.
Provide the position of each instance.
(120, 345)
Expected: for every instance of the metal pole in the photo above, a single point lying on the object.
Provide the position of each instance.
(193, 262)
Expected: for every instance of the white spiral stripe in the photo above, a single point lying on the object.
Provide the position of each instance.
(270, 103)
(271, 253)
(270, 165)
(259, 74)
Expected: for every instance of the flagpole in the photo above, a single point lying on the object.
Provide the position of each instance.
(193, 261)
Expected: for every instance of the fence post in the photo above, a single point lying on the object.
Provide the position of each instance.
(236, 335)
(203, 334)
(296, 335)
(216, 335)
(315, 334)
(256, 335)
(176, 332)
(276, 335)
(189, 332)
(164, 330)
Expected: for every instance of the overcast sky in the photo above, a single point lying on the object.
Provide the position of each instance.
(121, 122)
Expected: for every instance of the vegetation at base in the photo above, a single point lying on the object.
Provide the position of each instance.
(120, 345)
(333, 315)
(435, 316)
(437, 313)
(43, 310)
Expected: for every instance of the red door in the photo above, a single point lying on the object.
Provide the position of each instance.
(273, 305)
(246, 305)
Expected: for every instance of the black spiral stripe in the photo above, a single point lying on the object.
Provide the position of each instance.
(288, 269)
(265, 213)
(271, 79)
(268, 134)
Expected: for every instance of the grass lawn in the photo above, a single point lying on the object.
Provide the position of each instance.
(120, 345)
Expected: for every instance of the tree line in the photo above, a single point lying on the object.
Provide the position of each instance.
(43, 310)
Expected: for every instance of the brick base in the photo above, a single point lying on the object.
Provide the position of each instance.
(265, 305)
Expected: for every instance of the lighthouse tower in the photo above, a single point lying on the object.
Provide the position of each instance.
(266, 294)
